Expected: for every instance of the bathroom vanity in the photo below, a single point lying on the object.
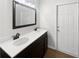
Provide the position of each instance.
(34, 47)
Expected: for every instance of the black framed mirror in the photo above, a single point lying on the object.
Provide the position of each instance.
(23, 15)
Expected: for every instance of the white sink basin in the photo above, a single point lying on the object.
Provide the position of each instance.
(20, 41)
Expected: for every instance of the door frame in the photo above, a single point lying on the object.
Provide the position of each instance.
(57, 6)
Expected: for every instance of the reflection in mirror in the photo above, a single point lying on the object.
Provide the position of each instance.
(23, 15)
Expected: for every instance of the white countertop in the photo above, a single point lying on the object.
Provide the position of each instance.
(12, 50)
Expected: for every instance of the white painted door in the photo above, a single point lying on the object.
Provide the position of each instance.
(68, 28)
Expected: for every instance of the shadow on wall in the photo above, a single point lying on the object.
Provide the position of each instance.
(51, 41)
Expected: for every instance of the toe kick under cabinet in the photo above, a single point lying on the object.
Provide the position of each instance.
(35, 50)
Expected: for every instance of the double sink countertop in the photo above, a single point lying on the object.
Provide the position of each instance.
(14, 47)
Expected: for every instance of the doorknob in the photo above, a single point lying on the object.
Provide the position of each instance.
(57, 26)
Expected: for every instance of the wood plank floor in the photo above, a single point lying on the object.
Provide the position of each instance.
(56, 54)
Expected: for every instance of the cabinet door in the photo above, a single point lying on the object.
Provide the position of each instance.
(24, 54)
(0, 52)
(37, 49)
(45, 43)
(37, 52)
(4, 54)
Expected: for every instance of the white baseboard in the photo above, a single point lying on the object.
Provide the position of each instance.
(49, 46)
(67, 53)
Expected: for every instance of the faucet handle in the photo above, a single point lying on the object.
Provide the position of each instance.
(17, 34)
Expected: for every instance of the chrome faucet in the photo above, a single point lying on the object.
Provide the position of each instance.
(16, 36)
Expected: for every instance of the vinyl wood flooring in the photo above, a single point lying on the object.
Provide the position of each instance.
(56, 54)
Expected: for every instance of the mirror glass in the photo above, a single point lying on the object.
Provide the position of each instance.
(23, 15)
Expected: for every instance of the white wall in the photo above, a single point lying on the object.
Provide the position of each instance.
(66, 1)
(6, 22)
(48, 18)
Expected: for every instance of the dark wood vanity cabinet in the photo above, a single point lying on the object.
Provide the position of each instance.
(0, 52)
(36, 50)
